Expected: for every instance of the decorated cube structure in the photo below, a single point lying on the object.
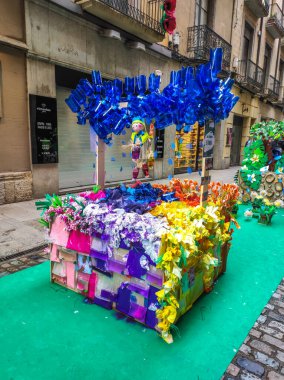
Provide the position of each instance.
(136, 278)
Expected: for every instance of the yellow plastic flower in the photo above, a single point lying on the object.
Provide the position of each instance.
(266, 202)
(191, 242)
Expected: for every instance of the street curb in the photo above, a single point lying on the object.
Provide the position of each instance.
(23, 253)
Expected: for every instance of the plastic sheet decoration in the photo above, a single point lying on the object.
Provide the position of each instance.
(192, 95)
(150, 266)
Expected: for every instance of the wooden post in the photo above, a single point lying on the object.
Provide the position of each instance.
(207, 160)
(205, 179)
(100, 163)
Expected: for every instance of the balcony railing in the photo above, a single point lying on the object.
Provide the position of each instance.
(136, 9)
(138, 17)
(275, 22)
(250, 75)
(260, 8)
(201, 39)
(273, 87)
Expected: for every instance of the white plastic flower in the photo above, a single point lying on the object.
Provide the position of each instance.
(255, 158)
(253, 195)
(248, 213)
(244, 167)
(251, 177)
(279, 203)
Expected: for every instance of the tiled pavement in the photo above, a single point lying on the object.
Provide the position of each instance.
(22, 262)
(260, 357)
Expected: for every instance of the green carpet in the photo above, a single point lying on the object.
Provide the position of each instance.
(47, 332)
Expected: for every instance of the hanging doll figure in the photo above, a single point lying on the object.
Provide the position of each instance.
(140, 146)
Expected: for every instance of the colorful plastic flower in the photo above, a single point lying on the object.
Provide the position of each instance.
(254, 158)
(251, 177)
(169, 24)
(248, 213)
(279, 203)
(169, 7)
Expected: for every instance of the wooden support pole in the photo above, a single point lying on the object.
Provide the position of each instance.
(100, 163)
(205, 180)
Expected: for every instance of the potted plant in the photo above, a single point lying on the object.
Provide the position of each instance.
(266, 212)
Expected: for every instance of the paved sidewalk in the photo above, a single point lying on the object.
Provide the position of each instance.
(20, 230)
(23, 262)
(261, 356)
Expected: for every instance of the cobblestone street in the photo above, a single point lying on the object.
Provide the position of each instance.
(261, 356)
(22, 262)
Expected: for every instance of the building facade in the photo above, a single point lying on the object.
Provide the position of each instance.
(47, 46)
(15, 166)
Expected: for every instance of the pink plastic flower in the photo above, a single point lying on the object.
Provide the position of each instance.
(170, 7)
(169, 24)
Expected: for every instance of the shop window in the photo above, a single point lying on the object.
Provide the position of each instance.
(189, 149)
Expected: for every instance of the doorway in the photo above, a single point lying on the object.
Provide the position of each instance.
(236, 140)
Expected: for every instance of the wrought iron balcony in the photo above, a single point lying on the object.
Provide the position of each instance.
(272, 89)
(199, 42)
(275, 22)
(250, 75)
(138, 17)
(260, 8)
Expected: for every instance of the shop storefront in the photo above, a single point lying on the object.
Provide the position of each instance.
(188, 149)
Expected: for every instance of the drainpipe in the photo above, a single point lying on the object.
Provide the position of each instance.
(259, 41)
(232, 18)
(277, 59)
(279, 47)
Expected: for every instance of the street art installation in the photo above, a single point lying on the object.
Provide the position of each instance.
(146, 251)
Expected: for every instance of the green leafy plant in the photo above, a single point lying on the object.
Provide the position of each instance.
(255, 159)
(268, 130)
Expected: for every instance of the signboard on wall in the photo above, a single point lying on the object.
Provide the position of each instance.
(208, 144)
(159, 143)
(43, 121)
(209, 139)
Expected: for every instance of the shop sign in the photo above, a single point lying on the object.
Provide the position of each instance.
(209, 139)
(208, 144)
(43, 121)
(159, 143)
